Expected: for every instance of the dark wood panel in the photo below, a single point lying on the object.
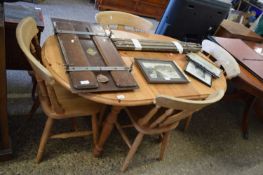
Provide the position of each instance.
(158, 2)
(74, 55)
(112, 58)
(245, 56)
(122, 4)
(13, 14)
(5, 146)
(149, 8)
(95, 59)
(232, 29)
(102, 54)
(11, 57)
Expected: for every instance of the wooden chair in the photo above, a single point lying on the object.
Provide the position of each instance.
(222, 58)
(56, 102)
(162, 119)
(123, 21)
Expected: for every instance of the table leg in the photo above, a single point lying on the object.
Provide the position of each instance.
(258, 108)
(107, 128)
(249, 104)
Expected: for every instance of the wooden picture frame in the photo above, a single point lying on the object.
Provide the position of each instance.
(161, 71)
(199, 73)
(205, 64)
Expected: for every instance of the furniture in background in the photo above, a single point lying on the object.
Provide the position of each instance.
(144, 95)
(249, 85)
(5, 144)
(181, 16)
(230, 29)
(248, 4)
(13, 14)
(148, 8)
(12, 58)
(56, 101)
(122, 20)
(163, 118)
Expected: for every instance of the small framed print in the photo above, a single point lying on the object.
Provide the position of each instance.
(161, 71)
(199, 73)
(203, 63)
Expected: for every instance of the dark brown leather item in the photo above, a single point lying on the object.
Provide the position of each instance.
(85, 50)
(245, 56)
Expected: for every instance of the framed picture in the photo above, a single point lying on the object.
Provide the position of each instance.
(200, 61)
(199, 73)
(161, 71)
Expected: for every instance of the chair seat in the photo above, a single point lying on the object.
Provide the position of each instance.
(73, 104)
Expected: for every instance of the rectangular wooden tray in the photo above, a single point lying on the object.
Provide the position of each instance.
(85, 50)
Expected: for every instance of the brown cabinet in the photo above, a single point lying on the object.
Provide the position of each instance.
(149, 8)
(13, 13)
(11, 57)
(5, 146)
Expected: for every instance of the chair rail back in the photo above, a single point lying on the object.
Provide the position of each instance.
(224, 59)
(122, 19)
(26, 31)
(169, 111)
(26, 34)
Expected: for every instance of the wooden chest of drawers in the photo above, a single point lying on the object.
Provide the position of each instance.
(5, 145)
(149, 8)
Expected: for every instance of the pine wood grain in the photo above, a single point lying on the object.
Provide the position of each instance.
(146, 92)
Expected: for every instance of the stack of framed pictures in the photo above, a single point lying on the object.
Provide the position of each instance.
(202, 69)
(161, 71)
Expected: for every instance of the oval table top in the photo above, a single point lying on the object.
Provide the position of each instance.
(146, 93)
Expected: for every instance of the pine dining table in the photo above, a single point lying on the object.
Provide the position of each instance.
(144, 95)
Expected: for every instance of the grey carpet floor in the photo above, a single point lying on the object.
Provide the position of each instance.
(213, 144)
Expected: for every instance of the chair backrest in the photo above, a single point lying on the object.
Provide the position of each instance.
(223, 58)
(122, 19)
(169, 111)
(26, 34)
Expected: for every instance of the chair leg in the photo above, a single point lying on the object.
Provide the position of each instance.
(44, 138)
(132, 151)
(94, 128)
(74, 123)
(34, 107)
(123, 135)
(164, 144)
(100, 117)
(102, 114)
(187, 123)
(34, 88)
(30, 115)
(34, 82)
